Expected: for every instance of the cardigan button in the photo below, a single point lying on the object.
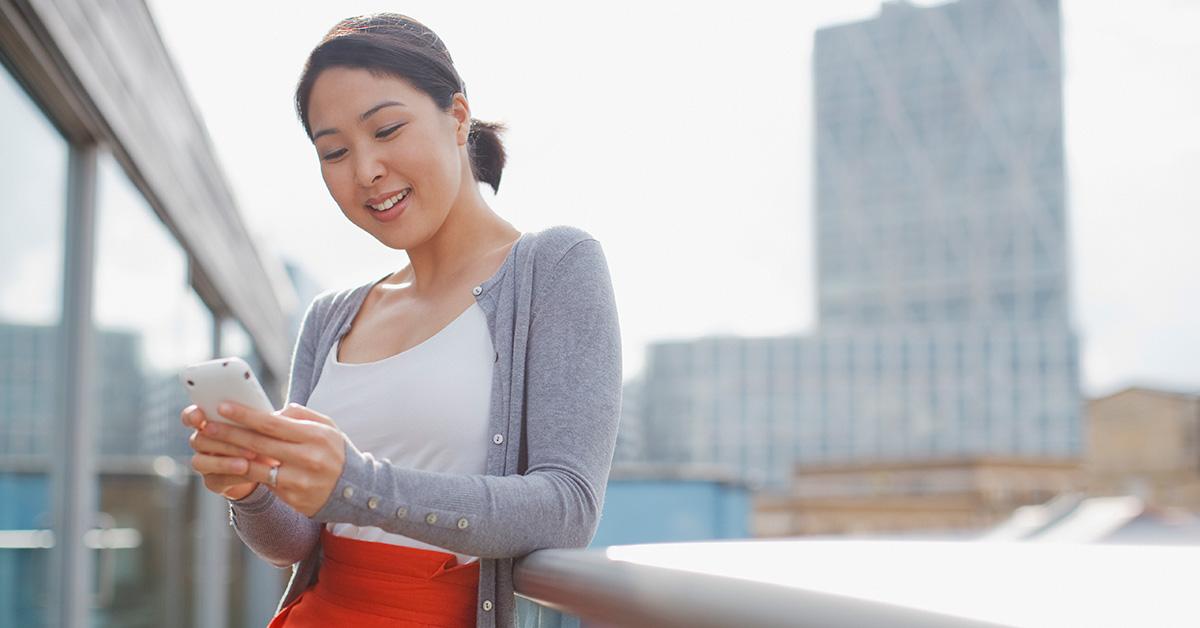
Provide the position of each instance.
(462, 523)
(477, 290)
(487, 605)
(498, 438)
(348, 492)
(373, 503)
(401, 512)
(431, 518)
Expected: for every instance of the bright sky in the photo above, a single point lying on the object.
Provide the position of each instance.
(678, 134)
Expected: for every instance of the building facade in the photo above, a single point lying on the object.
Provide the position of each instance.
(942, 280)
(1145, 442)
(941, 220)
(943, 497)
(690, 504)
(122, 259)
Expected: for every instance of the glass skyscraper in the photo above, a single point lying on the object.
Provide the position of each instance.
(942, 275)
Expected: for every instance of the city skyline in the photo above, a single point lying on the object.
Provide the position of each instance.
(941, 278)
(758, 259)
(146, 229)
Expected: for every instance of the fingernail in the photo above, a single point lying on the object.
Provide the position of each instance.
(224, 408)
(203, 424)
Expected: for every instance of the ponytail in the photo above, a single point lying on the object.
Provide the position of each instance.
(486, 151)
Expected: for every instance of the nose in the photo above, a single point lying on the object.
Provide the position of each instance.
(368, 168)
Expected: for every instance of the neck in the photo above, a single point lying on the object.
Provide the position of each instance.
(471, 231)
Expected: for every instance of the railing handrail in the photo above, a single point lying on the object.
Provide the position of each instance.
(836, 583)
(591, 586)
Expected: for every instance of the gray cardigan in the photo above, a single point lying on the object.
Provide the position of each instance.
(555, 405)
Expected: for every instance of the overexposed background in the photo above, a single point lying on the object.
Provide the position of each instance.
(679, 134)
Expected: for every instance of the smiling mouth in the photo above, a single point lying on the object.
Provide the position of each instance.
(388, 203)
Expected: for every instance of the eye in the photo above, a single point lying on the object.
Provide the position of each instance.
(388, 131)
(334, 155)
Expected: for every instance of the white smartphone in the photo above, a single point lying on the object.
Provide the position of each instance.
(210, 382)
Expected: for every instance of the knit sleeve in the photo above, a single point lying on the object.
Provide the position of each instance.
(268, 526)
(572, 408)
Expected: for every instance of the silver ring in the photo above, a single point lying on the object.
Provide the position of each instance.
(273, 475)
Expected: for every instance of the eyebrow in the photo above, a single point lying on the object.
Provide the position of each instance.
(366, 114)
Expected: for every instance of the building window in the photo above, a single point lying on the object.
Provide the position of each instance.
(33, 177)
(150, 324)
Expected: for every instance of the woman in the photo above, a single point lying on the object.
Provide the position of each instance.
(449, 417)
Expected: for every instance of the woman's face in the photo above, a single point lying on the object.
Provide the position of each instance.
(377, 136)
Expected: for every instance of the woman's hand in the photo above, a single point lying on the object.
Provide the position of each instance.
(222, 465)
(308, 446)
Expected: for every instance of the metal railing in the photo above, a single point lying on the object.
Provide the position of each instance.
(834, 583)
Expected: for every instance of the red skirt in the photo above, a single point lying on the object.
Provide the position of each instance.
(373, 585)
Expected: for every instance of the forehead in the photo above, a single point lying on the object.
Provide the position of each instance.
(342, 94)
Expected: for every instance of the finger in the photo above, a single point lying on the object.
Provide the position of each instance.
(221, 465)
(192, 416)
(275, 425)
(218, 482)
(287, 477)
(261, 473)
(205, 445)
(259, 443)
(298, 411)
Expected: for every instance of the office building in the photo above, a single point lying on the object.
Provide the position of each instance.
(941, 256)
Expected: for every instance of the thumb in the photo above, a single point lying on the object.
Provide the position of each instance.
(297, 411)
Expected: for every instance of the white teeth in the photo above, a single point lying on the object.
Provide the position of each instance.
(391, 202)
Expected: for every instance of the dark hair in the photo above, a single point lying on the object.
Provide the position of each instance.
(397, 45)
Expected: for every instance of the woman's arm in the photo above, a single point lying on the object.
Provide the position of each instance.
(268, 526)
(272, 529)
(572, 408)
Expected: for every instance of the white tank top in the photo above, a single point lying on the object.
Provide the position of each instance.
(424, 408)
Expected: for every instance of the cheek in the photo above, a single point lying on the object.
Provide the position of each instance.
(426, 163)
(409, 160)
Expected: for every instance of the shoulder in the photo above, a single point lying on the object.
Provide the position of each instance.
(331, 301)
(569, 267)
(551, 245)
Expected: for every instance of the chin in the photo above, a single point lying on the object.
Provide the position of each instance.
(393, 241)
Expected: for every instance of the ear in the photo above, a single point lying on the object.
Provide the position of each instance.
(461, 110)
